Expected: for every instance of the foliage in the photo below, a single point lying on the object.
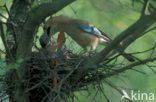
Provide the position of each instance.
(6, 67)
(112, 17)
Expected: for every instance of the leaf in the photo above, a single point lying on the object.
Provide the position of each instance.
(12, 66)
(20, 61)
(2, 64)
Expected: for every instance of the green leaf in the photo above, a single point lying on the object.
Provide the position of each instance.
(19, 61)
(12, 66)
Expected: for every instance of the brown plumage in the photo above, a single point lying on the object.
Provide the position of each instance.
(86, 35)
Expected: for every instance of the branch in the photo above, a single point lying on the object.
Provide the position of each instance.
(4, 41)
(144, 51)
(115, 72)
(136, 29)
(121, 70)
(132, 38)
(2, 51)
(145, 7)
(116, 88)
(3, 16)
(151, 7)
(37, 16)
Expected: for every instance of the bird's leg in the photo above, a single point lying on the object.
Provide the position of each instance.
(92, 49)
(85, 51)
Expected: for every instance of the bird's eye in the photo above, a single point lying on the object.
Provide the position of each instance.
(92, 28)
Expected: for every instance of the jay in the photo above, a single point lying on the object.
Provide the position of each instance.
(83, 32)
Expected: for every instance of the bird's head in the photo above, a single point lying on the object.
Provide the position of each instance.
(56, 24)
(50, 27)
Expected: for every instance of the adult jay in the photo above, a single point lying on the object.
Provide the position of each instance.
(83, 32)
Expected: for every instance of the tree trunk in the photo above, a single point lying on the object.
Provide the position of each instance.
(20, 35)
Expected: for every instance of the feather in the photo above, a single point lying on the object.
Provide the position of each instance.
(87, 29)
(94, 31)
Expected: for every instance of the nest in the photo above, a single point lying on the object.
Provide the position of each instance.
(54, 75)
(50, 76)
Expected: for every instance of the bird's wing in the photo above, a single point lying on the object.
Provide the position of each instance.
(87, 29)
(94, 31)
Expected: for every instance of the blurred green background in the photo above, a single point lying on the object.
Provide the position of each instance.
(112, 17)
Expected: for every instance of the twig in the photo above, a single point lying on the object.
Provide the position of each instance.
(74, 11)
(111, 59)
(35, 86)
(121, 70)
(114, 87)
(139, 52)
(139, 71)
(151, 7)
(10, 22)
(3, 16)
(101, 88)
(5, 6)
(2, 51)
(115, 72)
(153, 28)
(152, 52)
(145, 7)
(146, 64)
(65, 78)
(4, 42)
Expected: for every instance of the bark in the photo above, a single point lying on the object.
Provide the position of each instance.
(21, 35)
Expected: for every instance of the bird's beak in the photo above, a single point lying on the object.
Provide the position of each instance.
(48, 31)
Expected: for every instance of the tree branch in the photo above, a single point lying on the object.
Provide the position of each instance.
(121, 70)
(151, 7)
(132, 38)
(2, 51)
(136, 29)
(115, 72)
(36, 16)
(145, 7)
(4, 42)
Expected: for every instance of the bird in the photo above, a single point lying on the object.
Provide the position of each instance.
(83, 32)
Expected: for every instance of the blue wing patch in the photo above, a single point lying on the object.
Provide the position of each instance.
(87, 29)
